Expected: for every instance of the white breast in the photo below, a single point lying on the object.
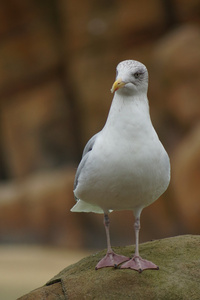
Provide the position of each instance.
(128, 166)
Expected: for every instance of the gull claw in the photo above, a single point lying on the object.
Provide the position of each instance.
(111, 259)
(139, 264)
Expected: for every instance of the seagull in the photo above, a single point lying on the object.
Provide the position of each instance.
(124, 166)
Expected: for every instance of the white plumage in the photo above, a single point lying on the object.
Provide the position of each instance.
(124, 166)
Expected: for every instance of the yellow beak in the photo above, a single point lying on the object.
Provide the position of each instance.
(117, 85)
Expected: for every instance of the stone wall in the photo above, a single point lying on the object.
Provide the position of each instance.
(57, 65)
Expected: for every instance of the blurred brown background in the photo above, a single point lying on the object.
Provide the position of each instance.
(57, 65)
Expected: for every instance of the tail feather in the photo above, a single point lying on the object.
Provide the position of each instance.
(82, 206)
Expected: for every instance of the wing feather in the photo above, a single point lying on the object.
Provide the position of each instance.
(85, 155)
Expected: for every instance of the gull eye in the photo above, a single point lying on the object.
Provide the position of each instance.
(136, 75)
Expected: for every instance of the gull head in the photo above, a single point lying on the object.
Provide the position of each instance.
(131, 78)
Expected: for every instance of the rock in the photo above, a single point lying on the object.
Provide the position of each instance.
(187, 11)
(37, 130)
(37, 115)
(28, 45)
(51, 293)
(178, 53)
(186, 178)
(37, 209)
(178, 277)
(176, 114)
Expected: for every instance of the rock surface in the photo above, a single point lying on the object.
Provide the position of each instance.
(178, 277)
(38, 209)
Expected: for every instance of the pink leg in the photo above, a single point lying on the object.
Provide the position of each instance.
(111, 259)
(137, 263)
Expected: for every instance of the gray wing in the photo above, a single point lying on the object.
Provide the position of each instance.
(89, 145)
(85, 155)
